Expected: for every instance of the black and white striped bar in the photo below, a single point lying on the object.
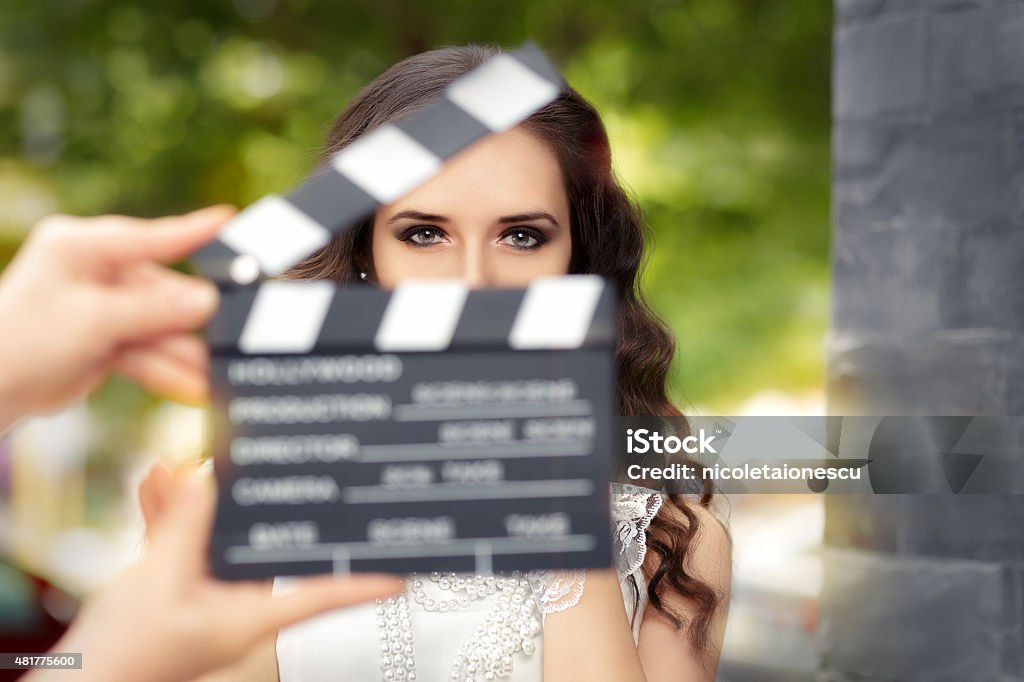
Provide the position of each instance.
(277, 232)
(432, 427)
(316, 316)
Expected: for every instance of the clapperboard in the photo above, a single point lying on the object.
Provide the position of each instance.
(427, 428)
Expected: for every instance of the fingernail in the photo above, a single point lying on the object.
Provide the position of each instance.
(199, 298)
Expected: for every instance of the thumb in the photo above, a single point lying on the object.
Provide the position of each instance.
(182, 534)
(313, 596)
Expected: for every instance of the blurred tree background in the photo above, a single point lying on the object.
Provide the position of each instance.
(718, 112)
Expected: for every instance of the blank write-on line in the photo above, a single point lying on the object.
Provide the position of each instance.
(452, 492)
(345, 552)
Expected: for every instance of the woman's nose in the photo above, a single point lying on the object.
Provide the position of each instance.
(476, 269)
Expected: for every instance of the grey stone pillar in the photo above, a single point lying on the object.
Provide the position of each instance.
(928, 308)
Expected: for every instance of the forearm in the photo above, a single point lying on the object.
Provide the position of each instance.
(100, 662)
(592, 640)
(124, 636)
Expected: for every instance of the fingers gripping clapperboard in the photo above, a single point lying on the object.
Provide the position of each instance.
(426, 428)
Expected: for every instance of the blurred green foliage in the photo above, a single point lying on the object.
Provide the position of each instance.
(718, 112)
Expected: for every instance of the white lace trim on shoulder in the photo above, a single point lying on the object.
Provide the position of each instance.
(557, 590)
(632, 513)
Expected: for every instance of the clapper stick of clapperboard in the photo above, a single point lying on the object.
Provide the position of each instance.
(282, 365)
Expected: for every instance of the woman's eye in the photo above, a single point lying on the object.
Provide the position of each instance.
(523, 239)
(422, 236)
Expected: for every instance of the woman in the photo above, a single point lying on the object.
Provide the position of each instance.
(537, 200)
(541, 200)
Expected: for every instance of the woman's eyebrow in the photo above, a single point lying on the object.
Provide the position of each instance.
(526, 217)
(418, 215)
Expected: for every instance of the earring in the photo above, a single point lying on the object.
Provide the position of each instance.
(362, 276)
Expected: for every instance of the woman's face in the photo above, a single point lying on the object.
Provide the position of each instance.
(496, 216)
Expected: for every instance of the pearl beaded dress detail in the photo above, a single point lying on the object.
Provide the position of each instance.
(461, 627)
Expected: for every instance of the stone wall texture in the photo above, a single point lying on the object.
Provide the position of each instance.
(927, 318)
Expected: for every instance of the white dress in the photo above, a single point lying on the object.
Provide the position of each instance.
(460, 627)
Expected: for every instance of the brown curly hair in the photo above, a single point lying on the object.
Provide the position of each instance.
(608, 236)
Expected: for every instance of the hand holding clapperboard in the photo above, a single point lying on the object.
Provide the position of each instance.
(429, 428)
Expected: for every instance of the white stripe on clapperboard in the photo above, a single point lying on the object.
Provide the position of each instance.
(275, 233)
(501, 93)
(421, 316)
(286, 317)
(386, 163)
(556, 312)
